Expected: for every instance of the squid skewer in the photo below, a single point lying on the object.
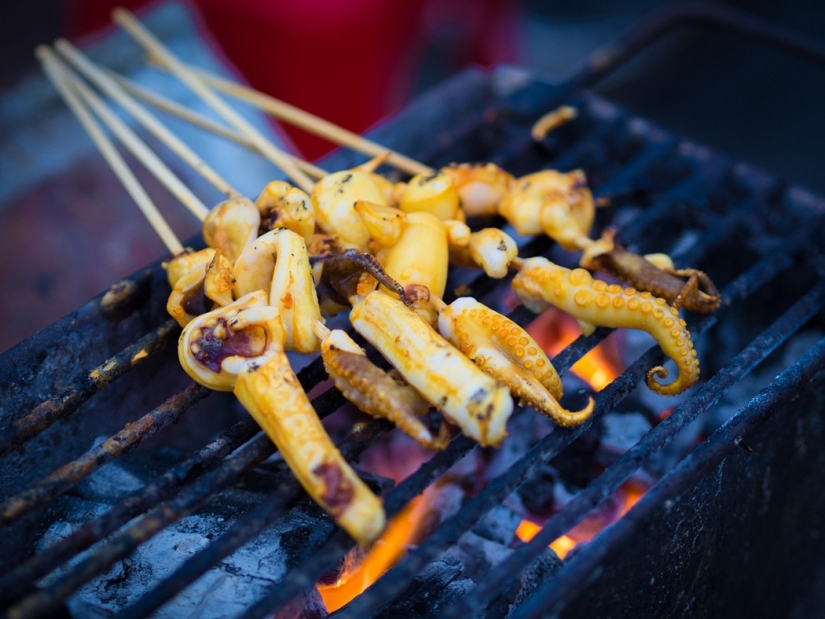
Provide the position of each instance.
(240, 347)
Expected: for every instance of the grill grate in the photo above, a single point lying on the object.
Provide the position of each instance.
(653, 179)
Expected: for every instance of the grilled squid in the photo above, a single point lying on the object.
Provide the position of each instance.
(434, 193)
(540, 283)
(447, 379)
(186, 262)
(278, 262)
(334, 198)
(490, 249)
(557, 204)
(480, 187)
(413, 249)
(374, 391)
(231, 225)
(204, 287)
(509, 354)
(240, 348)
(283, 206)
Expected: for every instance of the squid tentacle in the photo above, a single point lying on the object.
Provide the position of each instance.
(541, 283)
(376, 392)
(509, 354)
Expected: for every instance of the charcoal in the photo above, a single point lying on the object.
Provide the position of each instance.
(534, 575)
(435, 587)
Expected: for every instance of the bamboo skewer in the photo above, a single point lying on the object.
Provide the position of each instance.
(128, 22)
(176, 109)
(57, 73)
(147, 119)
(311, 123)
(135, 145)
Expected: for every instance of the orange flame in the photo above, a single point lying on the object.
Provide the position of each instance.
(383, 554)
(587, 529)
(554, 330)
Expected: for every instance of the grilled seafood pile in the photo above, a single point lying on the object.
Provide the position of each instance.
(276, 267)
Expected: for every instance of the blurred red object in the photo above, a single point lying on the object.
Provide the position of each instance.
(349, 61)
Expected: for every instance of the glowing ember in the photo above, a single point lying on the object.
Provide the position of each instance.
(554, 330)
(625, 498)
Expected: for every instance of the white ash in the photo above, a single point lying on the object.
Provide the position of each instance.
(224, 591)
(620, 431)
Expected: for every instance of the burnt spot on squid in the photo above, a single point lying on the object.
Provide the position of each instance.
(195, 302)
(338, 489)
(479, 406)
(212, 350)
(340, 189)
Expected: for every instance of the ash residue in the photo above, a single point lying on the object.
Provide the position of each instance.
(226, 590)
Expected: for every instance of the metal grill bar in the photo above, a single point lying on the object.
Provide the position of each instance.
(43, 602)
(620, 471)
(68, 400)
(130, 437)
(551, 597)
(247, 526)
(21, 578)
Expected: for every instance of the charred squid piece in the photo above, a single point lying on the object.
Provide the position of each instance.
(445, 377)
(341, 277)
(481, 187)
(540, 283)
(550, 202)
(334, 198)
(231, 225)
(375, 391)
(283, 206)
(240, 348)
(205, 287)
(278, 261)
(510, 355)
(654, 273)
(434, 193)
(490, 249)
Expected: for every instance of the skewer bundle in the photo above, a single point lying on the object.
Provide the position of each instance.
(353, 240)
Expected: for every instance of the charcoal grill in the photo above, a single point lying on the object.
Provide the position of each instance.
(735, 527)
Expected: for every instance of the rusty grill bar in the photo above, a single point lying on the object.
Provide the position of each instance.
(638, 166)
